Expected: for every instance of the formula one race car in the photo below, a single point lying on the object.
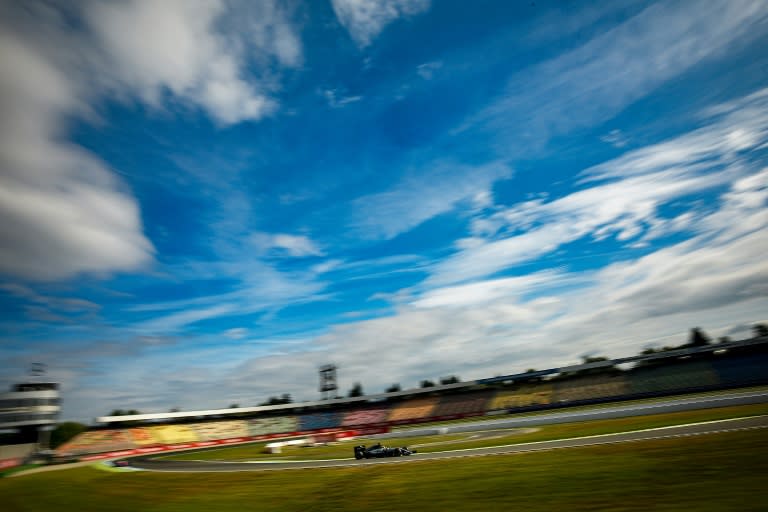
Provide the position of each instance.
(377, 451)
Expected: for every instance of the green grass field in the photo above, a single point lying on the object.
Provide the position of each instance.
(718, 472)
(714, 472)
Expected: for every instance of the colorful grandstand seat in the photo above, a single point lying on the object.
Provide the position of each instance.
(214, 430)
(272, 425)
(413, 409)
(524, 396)
(742, 370)
(466, 403)
(142, 436)
(696, 374)
(365, 417)
(319, 420)
(172, 434)
(97, 441)
(590, 388)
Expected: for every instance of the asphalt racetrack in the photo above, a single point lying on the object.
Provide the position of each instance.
(736, 424)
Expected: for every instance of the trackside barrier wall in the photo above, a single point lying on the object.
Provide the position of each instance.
(12, 455)
(10, 463)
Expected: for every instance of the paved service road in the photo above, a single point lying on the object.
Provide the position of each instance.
(731, 425)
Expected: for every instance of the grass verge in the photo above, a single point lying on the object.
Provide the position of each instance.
(717, 472)
(17, 469)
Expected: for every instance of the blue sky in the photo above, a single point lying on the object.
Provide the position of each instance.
(203, 202)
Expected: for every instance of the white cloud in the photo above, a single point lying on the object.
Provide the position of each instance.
(490, 327)
(365, 19)
(260, 288)
(482, 292)
(732, 129)
(334, 101)
(420, 196)
(592, 83)
(236, 333)
(621, 209)
(64, 212)
(180, 319)
(69, 305)
(326, 266)
(175, 46)
(428, 69)
(626, 205)
(296, 246)
(615, 138)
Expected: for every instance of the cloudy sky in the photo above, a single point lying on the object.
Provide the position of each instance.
(204, 201)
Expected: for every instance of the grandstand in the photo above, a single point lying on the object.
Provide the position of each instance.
(679, 376)
(741, 370)
(141, 437)
(590, 387)
(367, 416)
(272, 425)
(462, 404)
(523, 396)
(319, 421)
(173, 434)
(414, 409)
(99, 441)
(719, 366)
(212, 430)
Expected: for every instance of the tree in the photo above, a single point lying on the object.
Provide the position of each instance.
(724, 339)
(698, 338)
(593, 359)
(127, 412)
(273, 400)
(394, 388)
(760, 330)
(427, 384)
(608, 368)
(449, 380)
(65, 431)
(357, 390)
